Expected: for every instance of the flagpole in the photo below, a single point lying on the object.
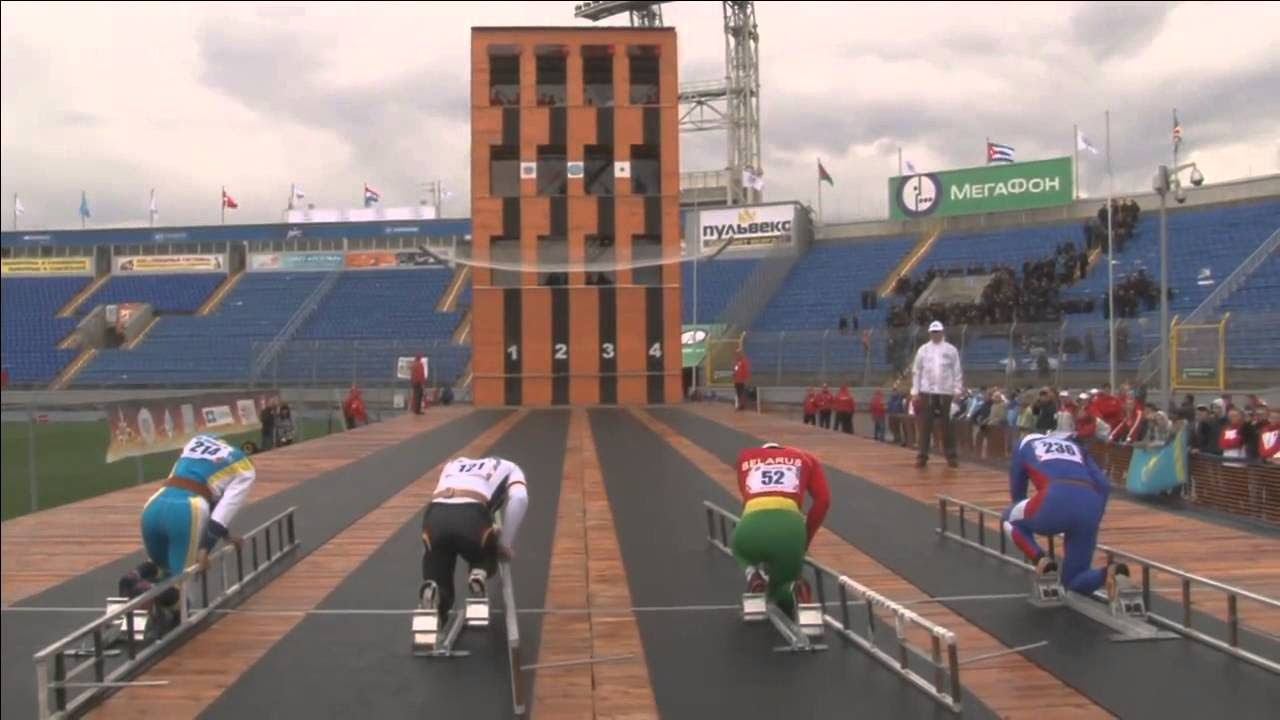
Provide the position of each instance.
(222, 203)
(15, 211)
(1111, 262)
(1075, 143)
(819, 191)
(899, 161)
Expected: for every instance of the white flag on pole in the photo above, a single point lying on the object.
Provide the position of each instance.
(154, 211)
(17, 206)
(753, 181)
(1082, 143)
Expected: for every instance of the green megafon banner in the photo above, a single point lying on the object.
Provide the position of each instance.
(992, 188)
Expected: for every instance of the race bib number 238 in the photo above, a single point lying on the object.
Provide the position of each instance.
(773, 478)
(1053, 450)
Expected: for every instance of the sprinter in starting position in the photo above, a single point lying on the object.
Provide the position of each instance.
(771, 540)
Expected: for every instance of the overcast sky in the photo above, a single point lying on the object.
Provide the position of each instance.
(116, 99)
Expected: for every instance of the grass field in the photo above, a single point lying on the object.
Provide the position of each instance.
(69, 459)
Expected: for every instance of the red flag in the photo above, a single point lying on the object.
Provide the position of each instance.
(227, 202)
(823, 176)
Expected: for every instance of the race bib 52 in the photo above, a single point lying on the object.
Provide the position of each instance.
(774, 478)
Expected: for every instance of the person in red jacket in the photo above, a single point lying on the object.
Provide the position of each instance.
(878, 414)
(353, 409)
(824, 407)
(1107, 406)
(418, 378)
(741, 376)
(810, 407)
(773, 536)
(845, 406)
(1269, 439)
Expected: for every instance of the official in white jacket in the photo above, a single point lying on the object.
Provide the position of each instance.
(936, 378)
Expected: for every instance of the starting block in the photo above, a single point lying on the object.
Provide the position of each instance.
(1128, 602)
(119, 630)
(1126, 615)
(1046, 589)
(478, 612)
(756, 608)
(430, 640)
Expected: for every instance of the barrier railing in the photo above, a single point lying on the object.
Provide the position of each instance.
(235, 566)
(513, 639)
(942, 657)
(962, 510)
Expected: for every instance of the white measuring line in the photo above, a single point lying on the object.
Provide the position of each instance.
(522, 611)
(1002, 653)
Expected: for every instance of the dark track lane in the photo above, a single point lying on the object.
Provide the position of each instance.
(360, 666)
(325, 505)
(1167, 679)
(708, 663)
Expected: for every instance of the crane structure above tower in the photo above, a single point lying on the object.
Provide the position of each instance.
(730, 104)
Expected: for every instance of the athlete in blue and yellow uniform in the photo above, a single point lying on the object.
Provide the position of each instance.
(189, 515)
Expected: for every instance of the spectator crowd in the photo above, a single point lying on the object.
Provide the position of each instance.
(1031, 296)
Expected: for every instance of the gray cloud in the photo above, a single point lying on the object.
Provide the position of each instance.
(1114, 29)
(329, 94)
(76, 118)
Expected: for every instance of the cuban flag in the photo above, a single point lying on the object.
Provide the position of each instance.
(371, 195)
(997, 153)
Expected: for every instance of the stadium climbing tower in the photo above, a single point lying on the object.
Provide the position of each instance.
(575, 223)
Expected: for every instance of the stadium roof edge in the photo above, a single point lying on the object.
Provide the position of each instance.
(442, 227)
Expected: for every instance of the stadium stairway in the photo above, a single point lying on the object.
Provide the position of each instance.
(69, 310)
(910, 260)
(73, 368)
(210, 306)
(449, 300)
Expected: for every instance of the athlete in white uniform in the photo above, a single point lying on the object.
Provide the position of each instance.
(460, 520)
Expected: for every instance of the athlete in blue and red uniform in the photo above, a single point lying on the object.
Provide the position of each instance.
(771, 540)
(1071, 497)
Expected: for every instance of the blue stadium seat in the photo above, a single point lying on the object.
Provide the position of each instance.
(31, 332)
(178, 293)
(718, 281)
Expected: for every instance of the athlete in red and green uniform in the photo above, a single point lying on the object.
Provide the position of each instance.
(771, 541)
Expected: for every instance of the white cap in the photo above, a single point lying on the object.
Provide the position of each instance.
(935, 326)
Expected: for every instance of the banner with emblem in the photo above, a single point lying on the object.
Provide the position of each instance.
(747, 227)
(143, 427)
(991, 188)
(1157, 470)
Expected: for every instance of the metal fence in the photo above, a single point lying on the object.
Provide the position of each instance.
(366, 363)
(1073, 352)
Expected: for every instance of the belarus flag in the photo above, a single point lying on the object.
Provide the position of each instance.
(227, 202)
(371, 195)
